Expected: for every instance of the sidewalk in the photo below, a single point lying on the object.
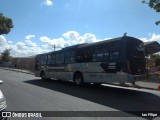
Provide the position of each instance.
(148, 85)
(18, 70)
(138, 84)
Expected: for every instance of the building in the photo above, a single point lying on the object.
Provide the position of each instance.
(151, 47)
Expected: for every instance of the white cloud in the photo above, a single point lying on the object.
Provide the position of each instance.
(144, 39)
(49, 43)
(31, 43)
(44, 39)
(71, 35)
(90, 38)
(48, 2)
(153, 37)
(21, 46)
(2, 39)
(28, 37)
(69, 38)
(10, 42)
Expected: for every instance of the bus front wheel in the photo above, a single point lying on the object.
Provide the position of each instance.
(43, 76)
(78, 79)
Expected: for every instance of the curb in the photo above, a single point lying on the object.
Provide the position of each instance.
(18, 71)
(137, 86)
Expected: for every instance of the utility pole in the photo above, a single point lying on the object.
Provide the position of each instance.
(54, 47)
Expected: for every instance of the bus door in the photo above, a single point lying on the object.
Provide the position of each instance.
(37, 64)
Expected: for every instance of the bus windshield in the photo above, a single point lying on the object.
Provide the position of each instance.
(135, 56)
(136, 48)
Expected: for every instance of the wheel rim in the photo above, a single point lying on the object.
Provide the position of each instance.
(78, 80)
(43, 76)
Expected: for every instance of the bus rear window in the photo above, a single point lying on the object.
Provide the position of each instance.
(135, 48)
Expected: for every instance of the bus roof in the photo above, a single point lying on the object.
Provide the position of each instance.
(101, 42)
(74, 46)
(66, 48)
(88, 44)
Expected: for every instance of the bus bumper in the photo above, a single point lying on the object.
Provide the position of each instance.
(139, 77)
(131, 78)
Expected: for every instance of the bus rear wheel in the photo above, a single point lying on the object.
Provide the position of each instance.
(78, 79)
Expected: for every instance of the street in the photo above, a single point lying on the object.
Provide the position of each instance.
(25, 92)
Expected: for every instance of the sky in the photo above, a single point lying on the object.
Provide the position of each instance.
(39, 24)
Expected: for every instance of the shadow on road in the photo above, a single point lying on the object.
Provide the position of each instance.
(117, 98)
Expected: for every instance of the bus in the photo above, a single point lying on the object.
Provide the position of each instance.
(119, 60)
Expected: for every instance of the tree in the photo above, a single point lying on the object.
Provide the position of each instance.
(5, 55)
(5, 24)
(155, 4)
(156, 58)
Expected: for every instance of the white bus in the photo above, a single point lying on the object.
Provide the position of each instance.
(116, 60)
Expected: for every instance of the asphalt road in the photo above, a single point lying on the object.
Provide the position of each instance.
(25, 92)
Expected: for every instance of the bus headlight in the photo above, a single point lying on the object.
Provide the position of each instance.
(3, 104)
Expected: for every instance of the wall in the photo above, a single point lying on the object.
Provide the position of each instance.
(24, 63)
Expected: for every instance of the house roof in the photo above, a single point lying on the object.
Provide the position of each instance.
(151, 47)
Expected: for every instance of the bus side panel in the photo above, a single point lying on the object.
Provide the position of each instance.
(85, 67)
(67, 76)
(105, 77)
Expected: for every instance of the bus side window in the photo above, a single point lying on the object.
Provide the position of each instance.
(67, 57)
(70, 57)
(114, 55)
(37, 64)
(49, 59)
(53, 59)
(60, 58)
(43, 59)
(94, 57)
(57, 57)
(105, 56)
(38, 61)
(100, 57)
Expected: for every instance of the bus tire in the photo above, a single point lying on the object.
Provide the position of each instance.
(78, 79)
(133, 83)
(43, 76)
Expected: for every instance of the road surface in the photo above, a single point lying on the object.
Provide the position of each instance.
(25, 92)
